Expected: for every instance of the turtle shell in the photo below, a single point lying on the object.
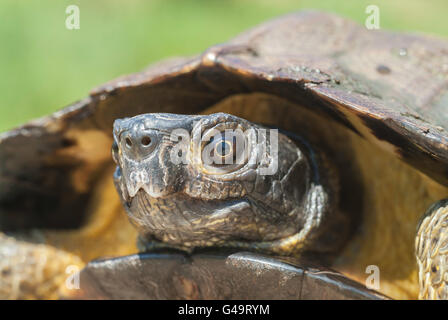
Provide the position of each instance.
(389, 89)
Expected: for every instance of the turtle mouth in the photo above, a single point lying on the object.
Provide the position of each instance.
(186, 222)
(178, 218)
(177, 209)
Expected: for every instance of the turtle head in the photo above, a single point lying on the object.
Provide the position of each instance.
(216, 180)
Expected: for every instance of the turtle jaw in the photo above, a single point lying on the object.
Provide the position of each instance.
(186, 223)
(181, 221)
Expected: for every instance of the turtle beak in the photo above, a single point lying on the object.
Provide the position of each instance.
(129, 187)
(138, 178)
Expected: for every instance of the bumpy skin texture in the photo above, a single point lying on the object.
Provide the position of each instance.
(432, 252)
(278, 203)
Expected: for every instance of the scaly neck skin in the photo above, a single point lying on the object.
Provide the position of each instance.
(432, 252)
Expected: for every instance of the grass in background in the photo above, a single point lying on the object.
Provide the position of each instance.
(44, 66)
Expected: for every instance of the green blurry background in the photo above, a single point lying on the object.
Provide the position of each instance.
(44, 66)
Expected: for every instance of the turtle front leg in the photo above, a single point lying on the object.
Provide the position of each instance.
(431, 245)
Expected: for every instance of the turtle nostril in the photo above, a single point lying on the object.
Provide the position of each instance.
(146, 141)
(128, 142)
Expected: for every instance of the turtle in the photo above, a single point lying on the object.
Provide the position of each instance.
(343, 164)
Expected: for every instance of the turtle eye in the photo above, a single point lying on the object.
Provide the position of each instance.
(224, 152)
